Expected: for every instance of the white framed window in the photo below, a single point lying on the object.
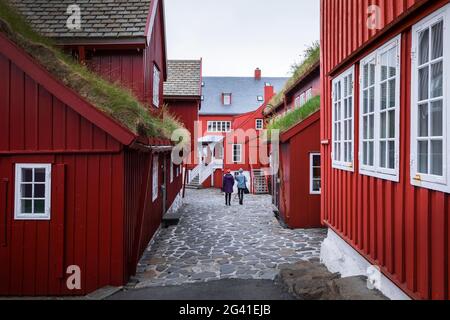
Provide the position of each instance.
(342, 121)
(156, 85)
(33, 183)
(226, 99)
(259, 124)
(429, 102)
(379, 147)
(155, 178)
(219, 126)
(297, 102)
(237, 153)
(308, 94)
(302, 99)
(260, 98)
(315, 174)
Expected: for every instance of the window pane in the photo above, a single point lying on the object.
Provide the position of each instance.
(39, 191)
(366, 102)
(383, 121)
(384, 67)
(383, 154)
(423, 157)
(39, 175)
(366, 76)
(436, 80)
(27, 206)
(437, 42)
(423, 120)
(26, 191)
(371, 99)
(371, 153)
(39, 206)
(436, 119)
(365, 128)
(316, 185)
(349, 128)
(424, 44)
(371, 126)
(316, 173)
(27, 175)
(372, 73)
(383, 96)
(423, 83)
(350, 107)
(392, 124)
(316, 161)
(436, 158)
(391, 155)
(392, 93)
(392, 54)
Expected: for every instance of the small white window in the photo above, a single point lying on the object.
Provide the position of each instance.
(33, 191)
(155, 178)
(315, 174)
(309, 94)
(297, 103)
(259, 124)
(380, 112)
(342, 121)
(429, 108)
(227, 99)
(156, 85)
(237, 153)
(260, 98)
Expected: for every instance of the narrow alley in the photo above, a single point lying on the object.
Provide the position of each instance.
(214, 242)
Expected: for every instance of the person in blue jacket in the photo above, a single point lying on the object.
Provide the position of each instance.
(228, 186)
(242, 185)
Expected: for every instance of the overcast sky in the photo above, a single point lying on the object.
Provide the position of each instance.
(235, 36)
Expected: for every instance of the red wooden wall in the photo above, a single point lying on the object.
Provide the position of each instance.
(298, 207)
(401, 228)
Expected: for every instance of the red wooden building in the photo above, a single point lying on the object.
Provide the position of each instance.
(296, 186)
(78, 187)
(385, 144)
(183, 95)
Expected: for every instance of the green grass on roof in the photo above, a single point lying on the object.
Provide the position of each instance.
(296, 116)
(311, 57)
(113, 99)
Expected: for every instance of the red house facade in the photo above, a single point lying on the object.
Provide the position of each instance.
(385, 143)
(80, 191)
(296, 185)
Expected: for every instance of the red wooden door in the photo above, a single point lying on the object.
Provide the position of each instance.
(31, 251)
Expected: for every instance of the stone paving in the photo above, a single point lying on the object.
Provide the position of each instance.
(215, 242)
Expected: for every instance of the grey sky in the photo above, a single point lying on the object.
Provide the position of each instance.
(235, 36)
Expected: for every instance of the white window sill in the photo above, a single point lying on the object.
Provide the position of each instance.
(440, 187)
(344, 166)
(33, 217)
(380, 175)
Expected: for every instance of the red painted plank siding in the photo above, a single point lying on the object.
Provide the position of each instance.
(401, 228)
(298, 208)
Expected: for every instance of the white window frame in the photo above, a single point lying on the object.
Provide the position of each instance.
(341, 164)
(259, 124)
(155, 178)
(226, 99)
(219, 126)
(156, 85)
(377, 170)
(309, 94)
(260, 98)
(235, 158)
(311, 174)
(297, 103)
(18, 215)
(428, 181)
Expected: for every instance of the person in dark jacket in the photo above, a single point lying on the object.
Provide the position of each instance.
(228, 186)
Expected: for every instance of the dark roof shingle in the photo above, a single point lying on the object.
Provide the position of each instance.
(183, 78)
(99, 18)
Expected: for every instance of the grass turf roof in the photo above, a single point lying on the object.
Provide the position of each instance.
(112, 99)
(311, 58)
(290, 119)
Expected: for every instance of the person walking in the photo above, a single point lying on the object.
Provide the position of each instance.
(228, 186)
(242, 186)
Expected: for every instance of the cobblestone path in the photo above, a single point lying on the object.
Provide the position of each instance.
(214, 242)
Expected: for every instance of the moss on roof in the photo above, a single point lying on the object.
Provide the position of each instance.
(310, 59)
(112, 99)
(296, 116)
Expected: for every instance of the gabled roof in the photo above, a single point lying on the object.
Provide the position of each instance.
(99, 18)
(184, 78)
(244, 90)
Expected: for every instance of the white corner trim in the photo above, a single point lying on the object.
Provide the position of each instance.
(339, 257)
